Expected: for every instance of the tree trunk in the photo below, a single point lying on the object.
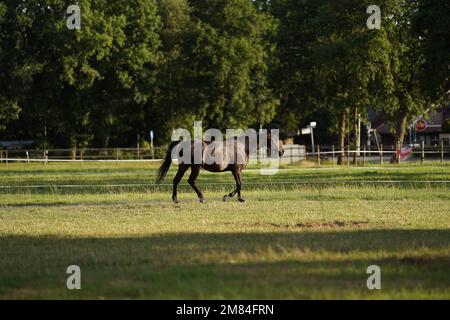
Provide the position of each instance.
(401, 130)
(342, 124)
(400, 133)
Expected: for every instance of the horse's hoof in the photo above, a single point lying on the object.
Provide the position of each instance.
(175, 200)
(241, 200)
(202, 200)
(225, 198)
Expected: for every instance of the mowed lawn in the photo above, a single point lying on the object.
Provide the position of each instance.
(305, 233)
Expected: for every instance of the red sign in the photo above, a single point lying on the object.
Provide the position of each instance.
(421, 125)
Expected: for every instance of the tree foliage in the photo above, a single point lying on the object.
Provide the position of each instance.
(143, 65)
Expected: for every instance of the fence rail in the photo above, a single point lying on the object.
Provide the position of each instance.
(87, 154)
(294, 154)
(365, 155)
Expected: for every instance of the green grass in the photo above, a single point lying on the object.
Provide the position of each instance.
(313, 237)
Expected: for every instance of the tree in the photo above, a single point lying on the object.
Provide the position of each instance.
(432, 25)
(407, 60)
(330, 61)
(216, 58)
(127, 60)
(83, 87)
(173, 99)
(14, 75)
(292, 75)
(230, 58)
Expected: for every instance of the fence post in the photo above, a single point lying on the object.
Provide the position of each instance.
(318, 155)
(442, 150)
(355, 156)
(6, 154)
(381, 154)
(138, 146)
(348, 154)
(292, 151)
(398, 152)
(332, 154)
(422, 153)
(364, 156)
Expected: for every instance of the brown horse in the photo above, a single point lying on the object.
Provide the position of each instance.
(234, 162)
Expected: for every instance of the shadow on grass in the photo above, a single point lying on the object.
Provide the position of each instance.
(306, 264)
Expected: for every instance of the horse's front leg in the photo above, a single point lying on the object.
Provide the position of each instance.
(194, 174)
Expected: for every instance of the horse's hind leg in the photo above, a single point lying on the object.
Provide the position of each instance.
(181, 171)
(237, 178)
(194, 174)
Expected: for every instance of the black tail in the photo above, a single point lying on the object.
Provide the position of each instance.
(162, 171)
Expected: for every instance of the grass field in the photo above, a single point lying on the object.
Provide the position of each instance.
(303, 233)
